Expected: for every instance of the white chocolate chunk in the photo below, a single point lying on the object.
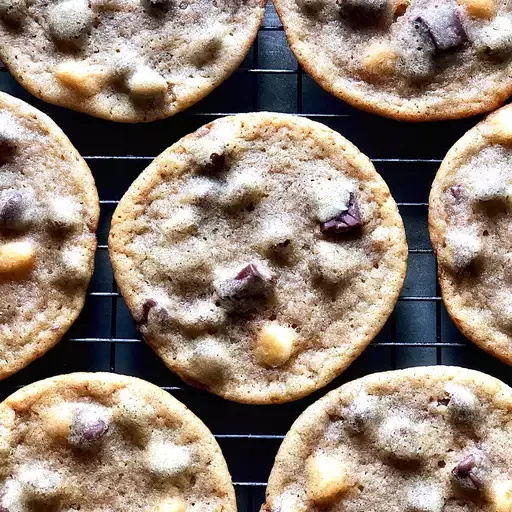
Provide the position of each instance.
(83, 78)
(209, 361)
(462, 247)
(380, 59)
(17, 257)
(363, 414)
(501, 496)
(146, 82)
(38, 482)
(484, 9)
(57, 420)
(70, 20)
(243, 187)
(400, 439)
(200, 189)
(274, 345)
(327, 478)
(171, 505)
(495, 40)
(493, 187)
(63, 214)
(463, 406)
(276, 235)
(425, 498)
(331, 197)
(183, 223)
(166, 459)
(76, 263)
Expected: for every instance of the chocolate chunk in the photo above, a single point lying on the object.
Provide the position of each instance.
(12, 212)
(146, 308)
(349, 220)
(465, 476)
(157, 5)
(7, 150)
(87, 428)
(456, 191)
(217, 162)
(443, 26)
(363, 12)
(248, 285)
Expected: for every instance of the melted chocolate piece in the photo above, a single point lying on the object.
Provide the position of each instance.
(456, 191)
(86, 429)
(363, 12)
(217, 162)
(349, 220)
(146, 308)
(443, 26)
(463, 473)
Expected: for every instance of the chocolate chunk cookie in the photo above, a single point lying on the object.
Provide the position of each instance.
(431, 439)
(98, 441)
(470, 217)
(414, 60)
(49, 212)
(259, 256)
(126, 60)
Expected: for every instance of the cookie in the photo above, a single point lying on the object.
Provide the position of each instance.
(49, 212)
(431, 439)
(259, 256)
(413, 60)
(470, 221)
(126, 60)
(99, 441)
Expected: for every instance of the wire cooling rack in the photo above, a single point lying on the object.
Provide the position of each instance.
(407, 155)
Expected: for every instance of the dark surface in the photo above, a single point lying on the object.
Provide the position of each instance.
(407, 155)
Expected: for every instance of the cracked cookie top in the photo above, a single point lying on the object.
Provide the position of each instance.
(93, 441)
(126, 60)
(49, 212)
(413, 60)
(259, 256)
(432, 439)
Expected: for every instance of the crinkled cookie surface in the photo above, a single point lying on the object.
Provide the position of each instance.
(432, 439)
(49, 212)
(126, 60)
(259, 256)
(470, 217)
(97, 442)
(413, 60)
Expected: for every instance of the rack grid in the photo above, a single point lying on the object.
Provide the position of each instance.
(104, 338)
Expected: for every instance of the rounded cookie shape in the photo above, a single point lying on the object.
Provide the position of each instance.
(438, 434)
(259, 256)
(100, 441)
(470, 222)
(126, 60)
(49, 212)
(413, 60)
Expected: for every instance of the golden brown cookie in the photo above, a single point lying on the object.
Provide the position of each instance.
(431, 439)
(413, 60)
(259, 256)
(470, 220)
(98, 441)
(126, 60)
(49, 212)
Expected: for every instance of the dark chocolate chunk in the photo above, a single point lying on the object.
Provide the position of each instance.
(7, 150)
(363, 12)
(349, 220)
(443, 26)
(146, 308)
(247, 286)
(465, 476)
(12, 212)
(217, 162)
(157, 5)
(456, 191)
(86, 428)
